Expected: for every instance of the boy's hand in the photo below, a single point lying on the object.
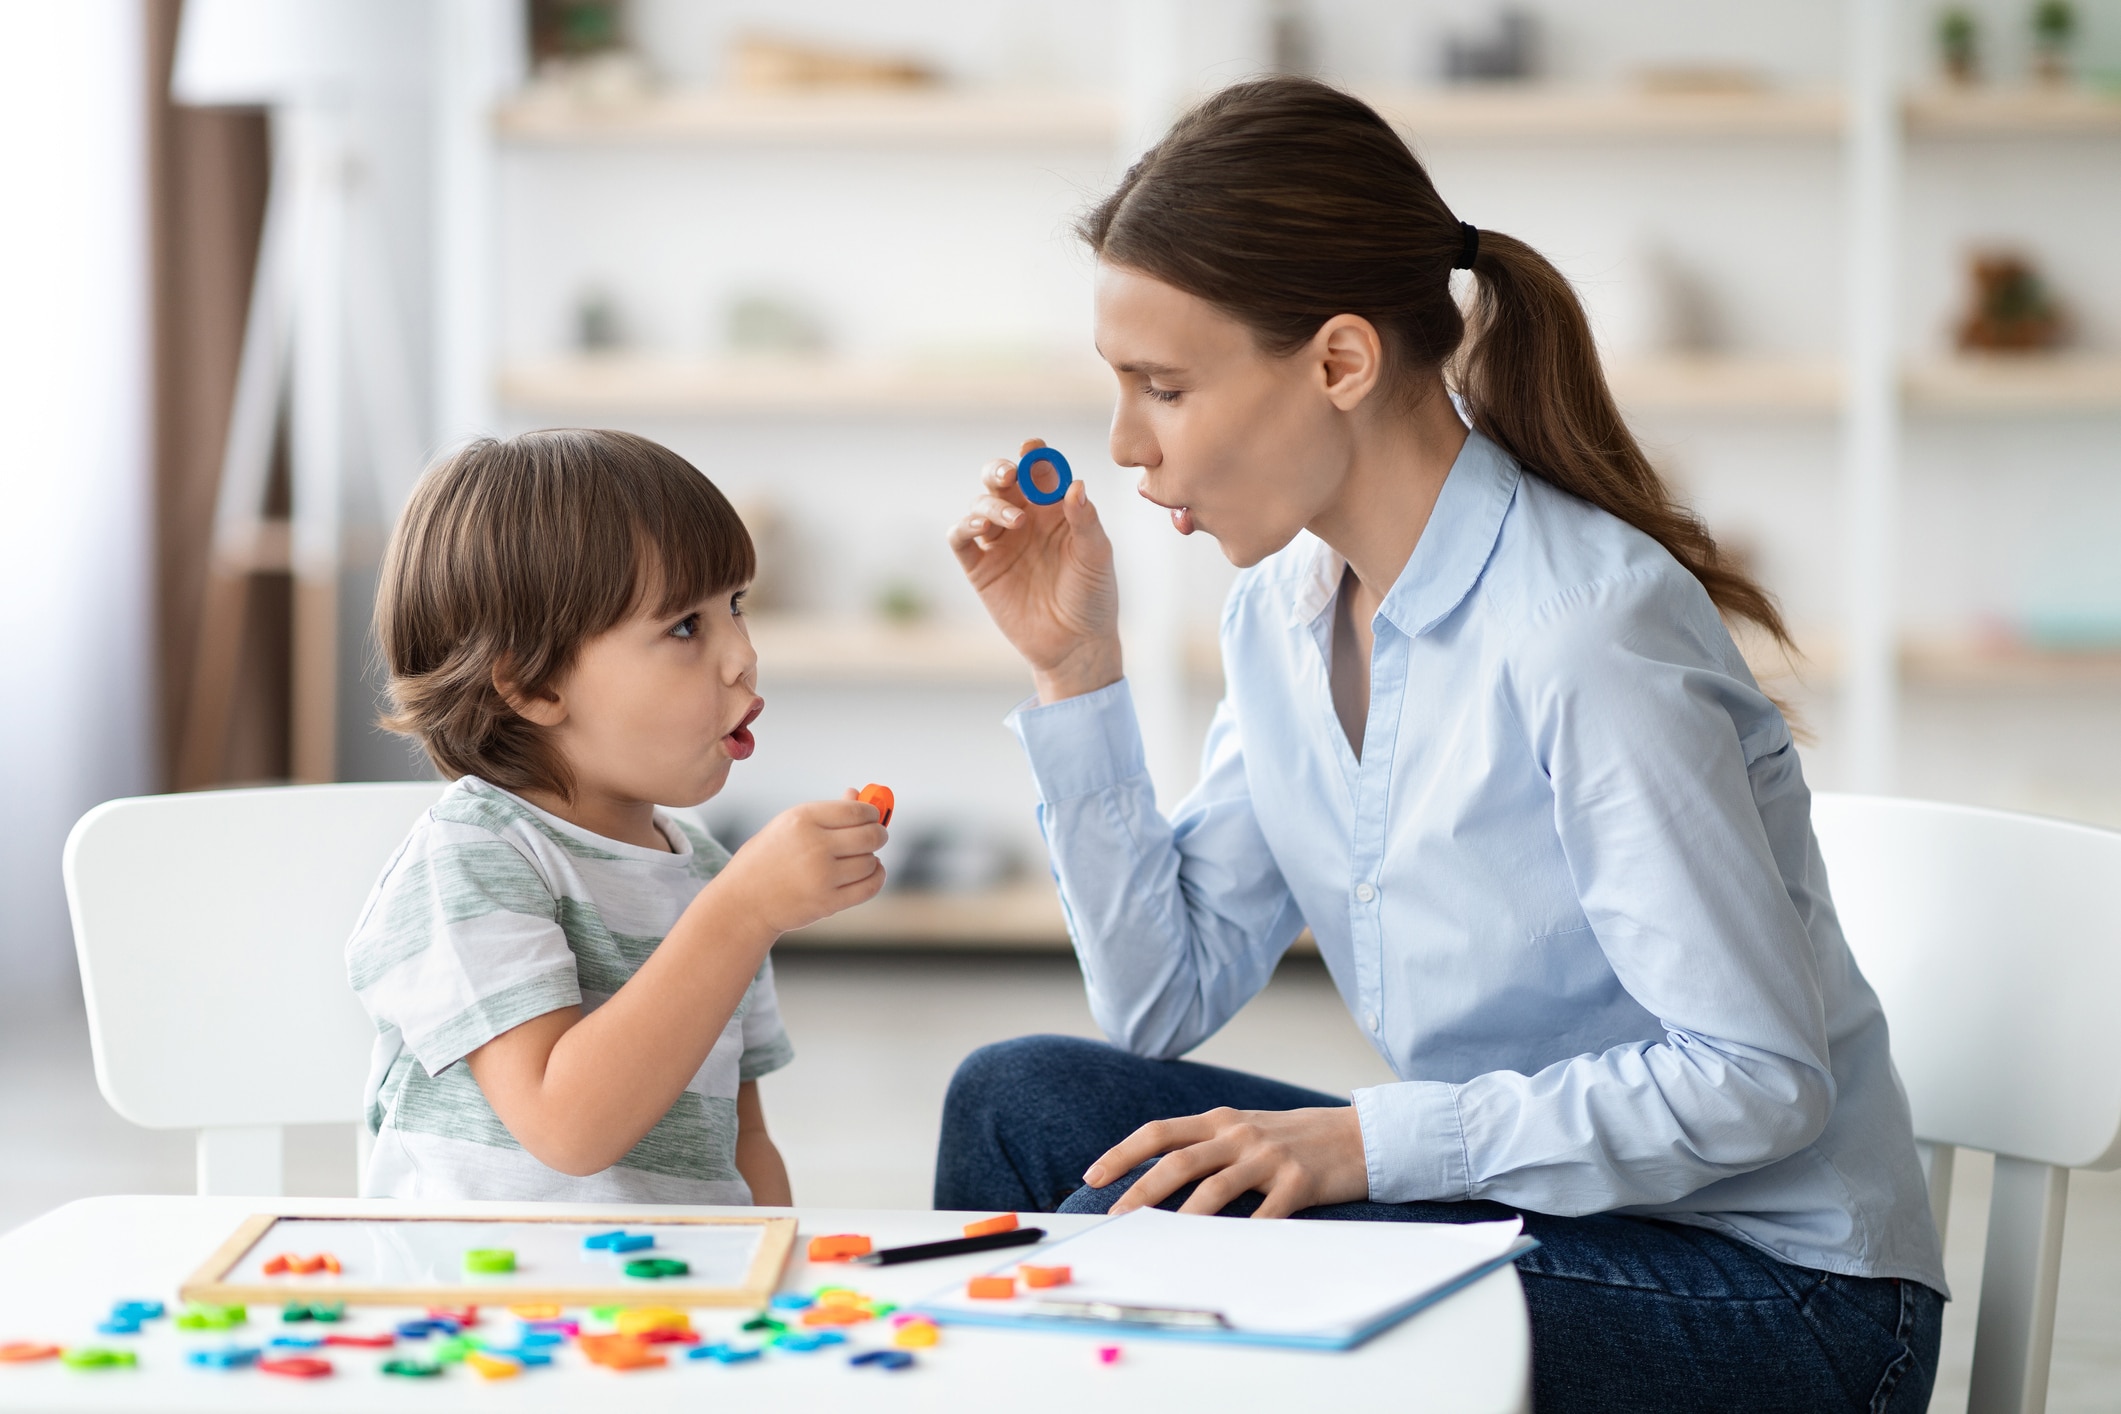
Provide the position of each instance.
(809, 863)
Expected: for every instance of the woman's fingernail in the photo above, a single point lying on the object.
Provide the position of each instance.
(977, 523)
(1011, 517)
(1095, 1177)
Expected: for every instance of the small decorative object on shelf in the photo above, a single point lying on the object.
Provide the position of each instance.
(900, 601)
(569, 29)
(2054, 32)
(1292, 38)
(2012, 309)
(580, 51)
(596, 322)
(1509, 52)
(773, 325)
(759, 63)
(1959, 44)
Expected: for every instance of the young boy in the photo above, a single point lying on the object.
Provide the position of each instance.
(571, 984)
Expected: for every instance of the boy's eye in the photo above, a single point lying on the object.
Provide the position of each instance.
(736, 604)
(687, 627)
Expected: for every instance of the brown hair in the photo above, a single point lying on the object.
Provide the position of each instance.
(1284, 202)
(509, 556)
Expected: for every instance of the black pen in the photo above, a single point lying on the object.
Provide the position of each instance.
(953, 1247)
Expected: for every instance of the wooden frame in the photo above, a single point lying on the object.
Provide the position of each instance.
(209, 1284)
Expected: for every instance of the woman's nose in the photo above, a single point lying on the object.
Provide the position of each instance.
(1131, 444)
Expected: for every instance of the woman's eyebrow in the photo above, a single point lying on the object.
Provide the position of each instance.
(1154, 370)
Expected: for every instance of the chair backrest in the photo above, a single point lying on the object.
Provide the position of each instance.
(211, 929)
(1994, 942)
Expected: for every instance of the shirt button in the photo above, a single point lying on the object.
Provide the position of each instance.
(1372, 1019)
(1365, 893)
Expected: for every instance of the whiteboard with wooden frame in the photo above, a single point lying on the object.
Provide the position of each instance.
(421, 1261)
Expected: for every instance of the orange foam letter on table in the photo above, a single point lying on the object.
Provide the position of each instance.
(1005, 1223)
(276, 1266)
(838, 1247)
(880, 797)
(991, 1288)
(329, 1263)
(619, 1352)
(1045, 1276)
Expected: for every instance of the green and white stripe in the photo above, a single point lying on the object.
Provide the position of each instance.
(492, 913)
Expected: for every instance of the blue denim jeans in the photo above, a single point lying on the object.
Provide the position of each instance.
(1627, 1313)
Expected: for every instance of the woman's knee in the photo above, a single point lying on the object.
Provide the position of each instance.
(1020, 1074)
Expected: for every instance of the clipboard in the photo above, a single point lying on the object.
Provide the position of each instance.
(1293, 1284)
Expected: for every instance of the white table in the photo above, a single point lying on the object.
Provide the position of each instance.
(60, 1274)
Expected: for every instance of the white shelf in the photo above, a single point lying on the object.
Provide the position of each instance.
(2017, 383)
(634, 385)
(1950, 663)
(644, 384)
(2013, 112)
(981, 119)
(1725, 383)
(879, 118)
(1533, 111)
(798, 648)
(1024, 917)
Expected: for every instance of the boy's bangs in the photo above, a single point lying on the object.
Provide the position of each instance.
(693, 547)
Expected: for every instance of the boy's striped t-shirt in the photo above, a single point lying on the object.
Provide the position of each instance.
(494, 912)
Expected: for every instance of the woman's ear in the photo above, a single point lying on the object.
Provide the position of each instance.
(1350, 357)
(546, 709)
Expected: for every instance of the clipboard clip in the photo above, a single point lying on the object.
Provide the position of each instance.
(1111, 1312)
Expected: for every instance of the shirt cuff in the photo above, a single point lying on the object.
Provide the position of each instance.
(1413, 1143)
(1081, 745)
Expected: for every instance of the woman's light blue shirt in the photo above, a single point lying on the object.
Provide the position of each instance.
(1569, 891)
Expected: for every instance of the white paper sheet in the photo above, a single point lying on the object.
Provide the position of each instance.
(1320, 1280)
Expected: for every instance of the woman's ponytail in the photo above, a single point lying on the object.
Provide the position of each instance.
(1530, 379)
(1285, 202)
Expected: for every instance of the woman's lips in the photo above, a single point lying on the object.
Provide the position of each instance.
(1181, 516)
(740, 743)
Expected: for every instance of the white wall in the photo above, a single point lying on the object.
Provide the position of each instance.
(74, 504)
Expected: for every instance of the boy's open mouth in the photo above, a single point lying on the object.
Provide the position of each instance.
(739, 743)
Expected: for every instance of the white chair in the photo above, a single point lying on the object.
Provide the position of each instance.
(211, 929)
(1994, 942)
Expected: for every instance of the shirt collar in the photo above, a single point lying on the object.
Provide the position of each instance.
(1447, 560)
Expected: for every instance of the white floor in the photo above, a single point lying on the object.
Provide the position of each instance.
(856, 1115)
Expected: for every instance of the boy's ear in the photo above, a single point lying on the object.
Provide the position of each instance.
(544, 710)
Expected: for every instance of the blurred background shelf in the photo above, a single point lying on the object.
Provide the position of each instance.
(2018, 383)
(980, 118)
(1599, 114)
(800, 648)
(944, 117)
(1504, 111)
(1726, 383)
(632, 384)
(1952, 662)
(1021, 917)
(2006, 112)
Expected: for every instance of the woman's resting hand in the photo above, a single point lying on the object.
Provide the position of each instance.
(1296, 1158)
(1045, 575)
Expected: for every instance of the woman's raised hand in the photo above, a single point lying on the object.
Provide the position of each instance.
(1045, 575)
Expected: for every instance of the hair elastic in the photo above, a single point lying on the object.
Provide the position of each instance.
(1469, 248)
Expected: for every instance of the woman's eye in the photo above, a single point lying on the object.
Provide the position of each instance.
(687, 627)
(1164, 395)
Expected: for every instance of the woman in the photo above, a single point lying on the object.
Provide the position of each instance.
(1486, 734)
